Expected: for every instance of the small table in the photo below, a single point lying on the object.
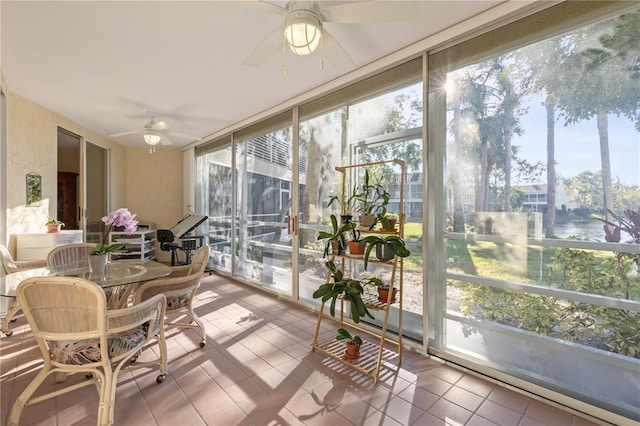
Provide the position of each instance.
(119, 276)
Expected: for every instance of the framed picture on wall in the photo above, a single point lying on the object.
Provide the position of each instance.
(34, 190)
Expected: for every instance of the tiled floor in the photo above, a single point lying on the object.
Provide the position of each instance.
(257, 369)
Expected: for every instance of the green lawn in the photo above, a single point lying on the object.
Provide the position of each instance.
(580, 270)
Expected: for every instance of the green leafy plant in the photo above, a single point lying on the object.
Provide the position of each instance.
(337, 234)
(374, 197)
(54, 222)
(344, 334)
(349, 205)
(351, 288)
(352, 228)
(394, 242)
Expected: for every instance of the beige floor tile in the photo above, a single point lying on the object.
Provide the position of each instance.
(258, 369)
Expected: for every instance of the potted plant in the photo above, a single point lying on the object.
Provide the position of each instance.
(349, 205)
(388, 220)
(356, 246)
(120, 218)
(334, 240)
(353, 343)
(374, 199)
(383, 294)
(351, 288)
(53, 225)
(386, 247)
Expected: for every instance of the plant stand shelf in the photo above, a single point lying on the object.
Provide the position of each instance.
(367, 363)
(378, 349)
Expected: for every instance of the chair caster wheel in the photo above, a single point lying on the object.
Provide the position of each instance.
(88, 376)
(8, 333)
(133, 359)
(202, 343)
(14, 320)
(161, 378)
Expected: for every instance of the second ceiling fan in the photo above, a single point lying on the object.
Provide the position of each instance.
(304, 31)
(156, 132)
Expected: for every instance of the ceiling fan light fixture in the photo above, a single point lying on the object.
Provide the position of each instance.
(152, 137)
(303, 31)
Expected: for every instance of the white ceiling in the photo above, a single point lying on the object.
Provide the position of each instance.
(104, 64)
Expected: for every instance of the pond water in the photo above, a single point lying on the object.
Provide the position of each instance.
(589, 231)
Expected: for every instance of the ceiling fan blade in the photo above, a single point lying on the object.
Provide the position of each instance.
(335, 53)
(160, 125)
(164, 140)
(371, 11)
(265, 48)
(133, 132)
(266, 7)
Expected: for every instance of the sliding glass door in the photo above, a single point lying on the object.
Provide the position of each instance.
(264, 189)
(214, 198)
(322, 143)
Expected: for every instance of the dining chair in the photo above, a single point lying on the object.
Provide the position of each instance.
(10, 266)
(70, 253)
(198, 263)
(76, 333)
(180, 290)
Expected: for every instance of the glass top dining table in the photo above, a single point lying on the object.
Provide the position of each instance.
(117, 273)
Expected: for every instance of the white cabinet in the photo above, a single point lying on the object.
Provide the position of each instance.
(36, 246)
(140, 245)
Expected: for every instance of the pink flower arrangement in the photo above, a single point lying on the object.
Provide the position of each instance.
(121, 218)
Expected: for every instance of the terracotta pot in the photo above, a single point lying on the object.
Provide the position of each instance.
(392, 227)
(51, 229)
(355, 248)
(383, 294)
(353, 351)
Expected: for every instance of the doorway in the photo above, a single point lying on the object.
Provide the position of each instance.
(96, 189)
(68, 205)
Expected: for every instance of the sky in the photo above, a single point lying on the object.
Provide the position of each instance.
(577, 147)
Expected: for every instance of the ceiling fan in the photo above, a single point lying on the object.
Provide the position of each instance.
(304, 31)
(155, 132)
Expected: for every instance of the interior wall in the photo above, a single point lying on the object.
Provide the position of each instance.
(148, 184)
(3, 164)
(154, 188)
(31, 146)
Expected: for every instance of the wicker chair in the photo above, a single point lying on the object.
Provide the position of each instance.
(10, 266)
(198, 263)
(77, 334)
(180, 289)
(70, 253)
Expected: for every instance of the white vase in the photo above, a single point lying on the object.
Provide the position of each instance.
(97, 263)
